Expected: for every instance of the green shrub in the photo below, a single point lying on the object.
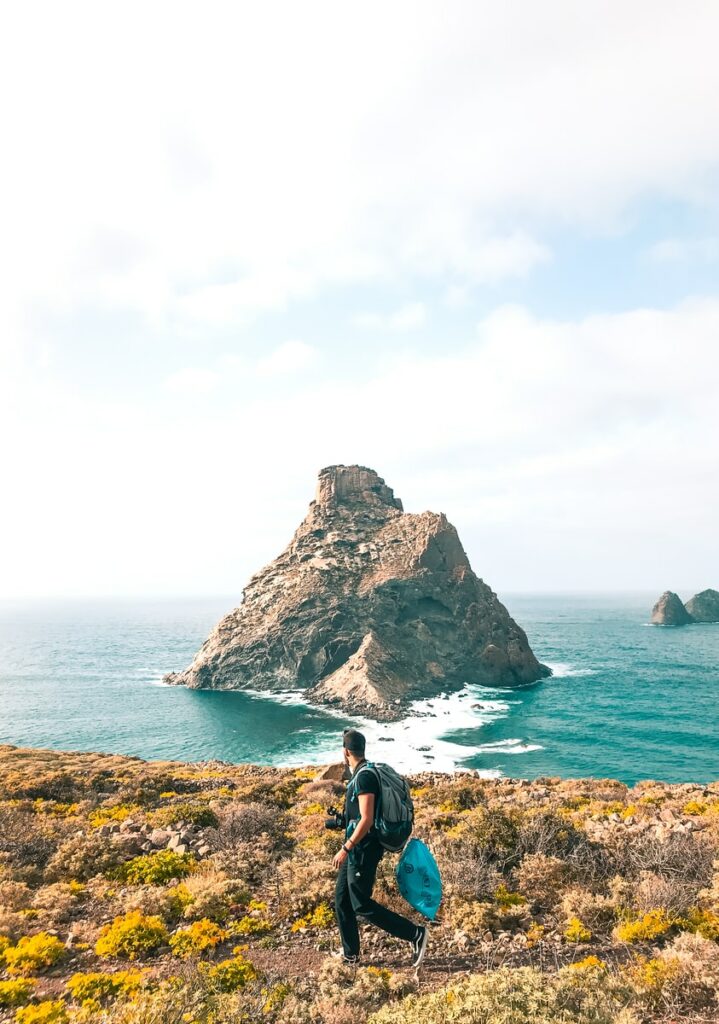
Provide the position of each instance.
(154, 868)
(131, 935)
(192, 813)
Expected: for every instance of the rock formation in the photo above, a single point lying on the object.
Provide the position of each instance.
(704, 606)
(669, 611)
(368, 608)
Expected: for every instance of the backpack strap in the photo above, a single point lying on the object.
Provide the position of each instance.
(370, 766)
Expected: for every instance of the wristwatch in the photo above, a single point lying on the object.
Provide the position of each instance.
(346, 848)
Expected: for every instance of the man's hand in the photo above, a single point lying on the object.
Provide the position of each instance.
(339, 858)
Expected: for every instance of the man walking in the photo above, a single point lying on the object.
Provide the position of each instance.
(358, 859)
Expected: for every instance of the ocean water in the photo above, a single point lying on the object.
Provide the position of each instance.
(627, 700)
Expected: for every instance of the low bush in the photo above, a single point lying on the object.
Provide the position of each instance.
(198, 937)
(154, 868)
(576, 931)
(97, 987)
(33, 953)
(191, 813)
(17, 992)
(516, 996)
(232, 974)
(648, 928)
(51, 1011)
(132, 935)
(321, 917)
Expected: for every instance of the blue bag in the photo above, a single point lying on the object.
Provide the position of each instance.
(418, 878)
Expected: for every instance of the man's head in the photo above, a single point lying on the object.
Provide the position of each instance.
(353, 743)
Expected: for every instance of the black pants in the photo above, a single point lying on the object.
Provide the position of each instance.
(353, 899)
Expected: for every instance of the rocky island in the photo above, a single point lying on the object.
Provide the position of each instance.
(704, 607)
(669, 610)
(368, 608)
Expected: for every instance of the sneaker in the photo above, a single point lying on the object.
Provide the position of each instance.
(419, 945)
(339, 954)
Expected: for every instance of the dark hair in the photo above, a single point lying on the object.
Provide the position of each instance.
(353, 741)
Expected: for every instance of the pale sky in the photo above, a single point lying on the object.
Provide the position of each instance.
(474, 246)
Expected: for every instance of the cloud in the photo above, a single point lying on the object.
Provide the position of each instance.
(192, 380)
(570, 453)
(290, 357)
(279, 169)
(685, 250)
(406, 318)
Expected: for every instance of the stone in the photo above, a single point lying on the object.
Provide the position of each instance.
(704, 606)
(368, 608)
(669, 611)
(159, 836)
(334, 773)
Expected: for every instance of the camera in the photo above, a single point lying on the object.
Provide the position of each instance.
(336, 818)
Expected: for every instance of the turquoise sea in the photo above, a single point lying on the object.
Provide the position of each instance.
(627, 700)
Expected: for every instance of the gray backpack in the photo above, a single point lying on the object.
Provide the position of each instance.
(394, 810)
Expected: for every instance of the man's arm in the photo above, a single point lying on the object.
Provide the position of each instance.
(366, 806)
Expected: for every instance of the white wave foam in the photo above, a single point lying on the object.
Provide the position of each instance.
(509, 747)
(417, 742)
(562, 670)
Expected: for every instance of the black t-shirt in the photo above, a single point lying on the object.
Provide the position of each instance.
(363, 781)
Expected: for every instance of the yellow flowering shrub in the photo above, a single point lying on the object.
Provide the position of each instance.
(652, 976)
(16, 992)
(702, 922)
(229, 975)
(249, 925)
(589, 963)
(49, 1012)
(132, 935)
(33, 953)
(650, 926)
(198, 937)
(275, 996)
(321, 917)
(97, 987)
(314, 808)
(576, 931)
(106, 815)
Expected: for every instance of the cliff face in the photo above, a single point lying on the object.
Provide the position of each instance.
(669, 611)
(368, 608)
(704, 607)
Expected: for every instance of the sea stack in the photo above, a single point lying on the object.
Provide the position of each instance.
(704, 606)
(669, 611)
(368, 608)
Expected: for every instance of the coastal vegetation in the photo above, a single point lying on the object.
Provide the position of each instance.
(136, 892)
